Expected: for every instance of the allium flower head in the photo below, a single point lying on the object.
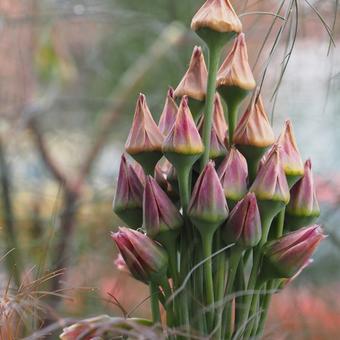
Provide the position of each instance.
(146, 260)
(244, 223)
(128, 202)
(233, 174)
(286, 255)
(208, 204)
(235, 70)
(270, 183)
(169, 113)
(160, 214)
(194, 82)
(216, 15)
(253, 128)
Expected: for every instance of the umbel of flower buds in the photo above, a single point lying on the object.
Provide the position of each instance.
(146, 260)
(208, 207)
(303, 207)
(128, 201)
(194, 82)
(285, 256)
(169, 113)
(161, 217)
(253, 134)
(183, 145)
(243, 226)
(216, 20)
(235, 78)
(145, 141)
(290, 155)
(270, 185)
(233, 174)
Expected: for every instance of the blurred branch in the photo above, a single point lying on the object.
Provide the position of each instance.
(13, 259)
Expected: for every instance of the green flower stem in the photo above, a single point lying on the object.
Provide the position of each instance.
(266, 223)
(169, 306)
(183, 175)
(232, 119)
(234, 260)
(240, 286)
(208, 279)
(156, 316)
(214, 58)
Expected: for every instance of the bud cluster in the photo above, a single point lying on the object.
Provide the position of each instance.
(182, 209)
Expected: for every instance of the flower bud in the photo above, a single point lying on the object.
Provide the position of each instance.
(169, 113)
(219, 120)
(208, 207)
(285, 256)
(194, 81)
(270, 183)
(235, 78)
(217, 147)
(303, 207)
(290, 155)
(253, 134)
(86, 329)
(146, 260)
(233, 174)
(243, 226)
(183, 145)
(144, 142)
(121, 264)
(128, 202)
(216, 18)
(160, 214)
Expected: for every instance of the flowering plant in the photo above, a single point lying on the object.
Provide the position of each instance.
(209, 196)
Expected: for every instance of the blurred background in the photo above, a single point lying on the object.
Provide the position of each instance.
(70, 73)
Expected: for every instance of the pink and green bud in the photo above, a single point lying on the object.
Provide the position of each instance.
(235, 78)
(270, 183)
(145, 141)
(160, 214)
(244, 223)
(285, 256)
(233, 174)
(208, 207)
(86, 329)
(303, 207)
(194, 82)
(147, 261)
(216, 15)
(166, 177)
(218, 148)
(128, 202)
(183, 145)
(219, 120)
(290, 155)
(169, 113)
(121, 264)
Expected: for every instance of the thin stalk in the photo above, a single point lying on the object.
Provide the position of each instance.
(169, 306)
(232, 120)
(234, 261)
(208, 279)
(156, 316)
(214, 58)
(183, 175)
(239, 286)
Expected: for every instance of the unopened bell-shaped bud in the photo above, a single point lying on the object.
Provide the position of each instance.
(216, 19)
(285, 256)
(219, 119)
(161, 217)
(146, 260)
(303, 207)
(270, 184)
(169, 113)
(183, 145)
(243, 226)
(145, 141)
(128, 201)
(194, 82)
(235, 78)
(208, 207)
(233, 174)
(290, 155)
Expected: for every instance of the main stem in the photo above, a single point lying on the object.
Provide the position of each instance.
(214, 58)
(232, 119)
(156, 316)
